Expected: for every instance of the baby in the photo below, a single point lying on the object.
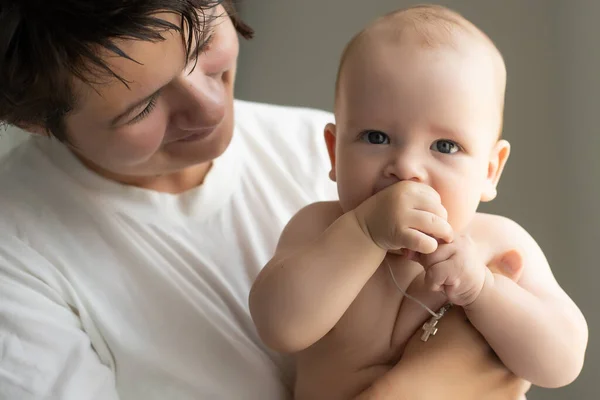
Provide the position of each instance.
(415, 148)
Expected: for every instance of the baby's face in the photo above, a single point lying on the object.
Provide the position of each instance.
(431, 116)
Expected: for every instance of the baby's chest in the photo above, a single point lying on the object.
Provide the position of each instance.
(366, 330)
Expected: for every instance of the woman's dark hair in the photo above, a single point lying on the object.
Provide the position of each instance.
(45, 43)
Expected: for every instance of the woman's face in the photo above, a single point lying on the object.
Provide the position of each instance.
(173, 114)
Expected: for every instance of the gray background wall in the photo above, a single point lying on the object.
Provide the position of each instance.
(552, 183)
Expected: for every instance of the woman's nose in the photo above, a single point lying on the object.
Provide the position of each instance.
(200, 101)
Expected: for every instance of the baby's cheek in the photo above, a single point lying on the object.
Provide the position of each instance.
(350, 197)
(461, 203)
(352, 192)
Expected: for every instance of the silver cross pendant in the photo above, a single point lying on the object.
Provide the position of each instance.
(429, 328)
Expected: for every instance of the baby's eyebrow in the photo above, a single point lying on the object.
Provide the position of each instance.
(443, 130)
(448, 132)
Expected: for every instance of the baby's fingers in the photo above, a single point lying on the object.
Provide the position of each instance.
(442, 253)
(432, 225)
(439, 275)
(418, 242)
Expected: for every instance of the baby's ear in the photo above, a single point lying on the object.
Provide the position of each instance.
(498, 157)
(330, 139)
(509, 264)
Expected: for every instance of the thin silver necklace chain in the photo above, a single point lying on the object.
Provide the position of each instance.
(419, 302)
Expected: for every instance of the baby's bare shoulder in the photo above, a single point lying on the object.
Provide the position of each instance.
(331, 209)
(509, 243)
(318, 215)
(309, 223)
(497, 229)
(502, 240)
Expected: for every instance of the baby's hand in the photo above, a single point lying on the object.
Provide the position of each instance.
(456, 269)
(406, 215)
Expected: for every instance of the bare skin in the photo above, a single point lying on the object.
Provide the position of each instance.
(456, 364)
(364, 344)
(414, 151)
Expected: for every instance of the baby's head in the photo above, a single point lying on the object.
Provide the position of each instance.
(420, 96)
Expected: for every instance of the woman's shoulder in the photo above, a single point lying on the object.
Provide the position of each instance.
(295, 124)
(268, 110)
(30, 190)
(289, 139)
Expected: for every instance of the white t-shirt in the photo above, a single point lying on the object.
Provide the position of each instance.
(10, 137)
(115, 292)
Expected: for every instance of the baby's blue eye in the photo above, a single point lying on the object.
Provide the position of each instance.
(375, 137)
(445, 146)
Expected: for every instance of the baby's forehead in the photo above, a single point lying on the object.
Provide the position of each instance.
(376, 57)
(423, 28)
(428, 25)
(420, 28)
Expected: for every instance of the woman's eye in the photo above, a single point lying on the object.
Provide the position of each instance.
(375, 137)
(445, 146)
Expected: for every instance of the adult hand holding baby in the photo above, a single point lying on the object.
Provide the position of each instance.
(456, 343)
(457, 365)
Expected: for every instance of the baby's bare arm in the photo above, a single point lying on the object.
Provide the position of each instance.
(533, 326)
(322, 262)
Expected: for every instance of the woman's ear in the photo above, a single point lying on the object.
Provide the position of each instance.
(330, 132)
(497, 161)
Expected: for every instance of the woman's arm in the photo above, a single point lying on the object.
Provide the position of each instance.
(45, 352)
(456, 363)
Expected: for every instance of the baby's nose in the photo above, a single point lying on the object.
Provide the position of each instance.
(406, 168)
